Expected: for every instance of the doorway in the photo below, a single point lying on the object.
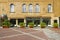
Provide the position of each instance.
(13, 22)
(36, 21)
(47, 21)
(20, 20)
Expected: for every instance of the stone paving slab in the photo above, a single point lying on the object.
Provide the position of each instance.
(29, 30)
(21, 34)
(40, 34)
(20, 37)
(28, 34)
(7, 32)
(36, 32)
(51, 34)
(57, 30)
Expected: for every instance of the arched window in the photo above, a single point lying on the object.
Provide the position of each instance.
(12, 8)
(30, 8)
(49, 8)
(23, 8)
(37, 8)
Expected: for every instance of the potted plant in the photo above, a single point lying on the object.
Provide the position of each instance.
(55, 25)
(22, 24)
(43, 25)
(6, 24)
(31, 24)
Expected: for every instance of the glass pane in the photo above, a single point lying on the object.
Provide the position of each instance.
(49, 8)
(37, 8)
(24, 8)
(47, 21)
(11, 8)
(30, 8)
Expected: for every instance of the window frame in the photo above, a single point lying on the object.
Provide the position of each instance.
(24, 8)
(50, 9)
(30, 8)
(12, 6)
(37, 6)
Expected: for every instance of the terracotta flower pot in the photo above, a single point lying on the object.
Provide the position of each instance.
(55, 27)
(5, 27)
(42, 26)
(31, 26)
(22, 26)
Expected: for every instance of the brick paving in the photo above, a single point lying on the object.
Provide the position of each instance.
(52, 34)
(20, 37)
(7, 32)
(26, 34)
(38, 33)
(23, 34)
(57, 30)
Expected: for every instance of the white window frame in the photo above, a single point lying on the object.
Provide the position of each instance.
(30, 8)
(50, 8)
(37, 8)
(24, 8)
(12, 8)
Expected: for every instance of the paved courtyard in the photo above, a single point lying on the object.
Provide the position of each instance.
(29, 34)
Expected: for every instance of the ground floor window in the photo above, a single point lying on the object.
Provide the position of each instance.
(47, 21)
(55, 21)
(36, 21)
(20, 20)
(13, 21)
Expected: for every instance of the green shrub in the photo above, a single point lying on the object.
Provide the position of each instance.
(31, 24)
(43, 25)
(6, 23)
(22, 24)
(55, 25)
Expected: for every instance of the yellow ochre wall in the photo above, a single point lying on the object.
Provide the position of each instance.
(5, 8)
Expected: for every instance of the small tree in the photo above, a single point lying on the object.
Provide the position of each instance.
(55, 25)
(43, 25)
(4, 17)
(22, 24)
(6, 23)
(31, 24)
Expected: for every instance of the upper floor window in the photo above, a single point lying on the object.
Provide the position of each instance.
(49, 8)
(12, 8)
(23, 8)
(30, 8)
(37, 8)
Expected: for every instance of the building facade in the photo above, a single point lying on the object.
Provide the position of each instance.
(36, 11)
